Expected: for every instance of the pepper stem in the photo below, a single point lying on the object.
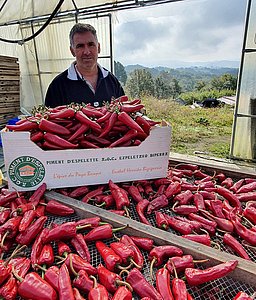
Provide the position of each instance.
(95, 283)
(15, 274)
(200, 261)
(215, 245)
(136, 265)
(119, 228)
(124, 283)
(3, 239)
(151, 267)
(71, 266)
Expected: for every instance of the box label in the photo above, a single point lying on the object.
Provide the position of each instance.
(28, 166)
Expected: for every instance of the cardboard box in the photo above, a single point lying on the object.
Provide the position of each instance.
(28, 166)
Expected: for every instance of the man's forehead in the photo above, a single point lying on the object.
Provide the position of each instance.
(84, 37)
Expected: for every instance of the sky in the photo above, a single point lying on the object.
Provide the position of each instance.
(191, 31)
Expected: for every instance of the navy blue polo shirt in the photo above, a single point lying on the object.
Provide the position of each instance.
(68, 87)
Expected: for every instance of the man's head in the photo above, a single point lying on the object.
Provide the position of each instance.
(84, 46)
(81, 28)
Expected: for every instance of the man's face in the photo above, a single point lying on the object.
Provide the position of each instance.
(85, 48)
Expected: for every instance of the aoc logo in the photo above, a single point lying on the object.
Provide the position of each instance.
(26, 171)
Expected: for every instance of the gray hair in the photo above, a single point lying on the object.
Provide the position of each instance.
(81, 28)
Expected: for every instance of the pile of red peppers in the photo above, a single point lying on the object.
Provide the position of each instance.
(118, 123)
(60, 265)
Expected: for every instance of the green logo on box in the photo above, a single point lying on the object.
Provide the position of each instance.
(26, 171)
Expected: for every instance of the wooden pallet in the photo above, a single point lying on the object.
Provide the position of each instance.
(9, 89)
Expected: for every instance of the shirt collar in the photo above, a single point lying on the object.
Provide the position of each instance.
(73, 74)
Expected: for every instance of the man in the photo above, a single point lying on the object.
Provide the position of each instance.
(85, 81)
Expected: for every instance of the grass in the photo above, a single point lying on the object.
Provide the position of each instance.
(206, 130)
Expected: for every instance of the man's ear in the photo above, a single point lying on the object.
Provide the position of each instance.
(72, 51)
(98, 47)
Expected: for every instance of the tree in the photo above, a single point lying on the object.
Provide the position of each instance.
(225, 81)
(175, 88)
(139, 83)
(120, 72)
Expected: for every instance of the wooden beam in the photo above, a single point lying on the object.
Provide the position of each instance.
(244, 272)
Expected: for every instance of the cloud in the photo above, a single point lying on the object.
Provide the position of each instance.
(195, 30)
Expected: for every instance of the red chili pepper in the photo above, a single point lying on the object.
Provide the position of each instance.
(161, 221)
(184, 197)
(79, 191)
(51, 276)
(25, 126)
(81, 117)
(59, 141)
(179, 289)
(249, 187)
(98, 292)
(122, 293)
(90, 222)
(46, 256)
(77, 294)
(198, 200)
(101, 142)
(250, 213)
(109, 124)
(121, 198)
(128, 136)
(91, 112)
(173, 189)
(242, 296)
(181, 226)
(234, 244)
(40, 210)
(185, 209)
(245, 197)
(199, 238)
(135, 193)
(35, 287)
(236, 186)
(105, 117)
(234, 201)
(82, 281)
(22, 208)
(118, 212)
(159, 254)
(220, 177)
(63, 249)
(27, 237)
(222, 223)
(140, 209)
(78, 263)
(106, 201)
(5, 271)
(227, 182)
(101, 232)
(37, 246)
(197, 226)
(92, 194)
(163, 283)
(128, 120)
(141, 286)
(138, 257)
(87, 145)
(245, 233)
(216, 208)
(157, 203)
(124, 252)
(59, 209)
(78, 133)
(144, 243)
(111, 259)
(198, 276)
(202, 220)
(180, 263)
(4, 215)
(63, 231)
(199, 174)
(48, 126)
(9, 290)
(21, 265)
(38, 194)
(80, 246)
(27, 219)
(10, 228)
(65, 290)
(109, 279)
